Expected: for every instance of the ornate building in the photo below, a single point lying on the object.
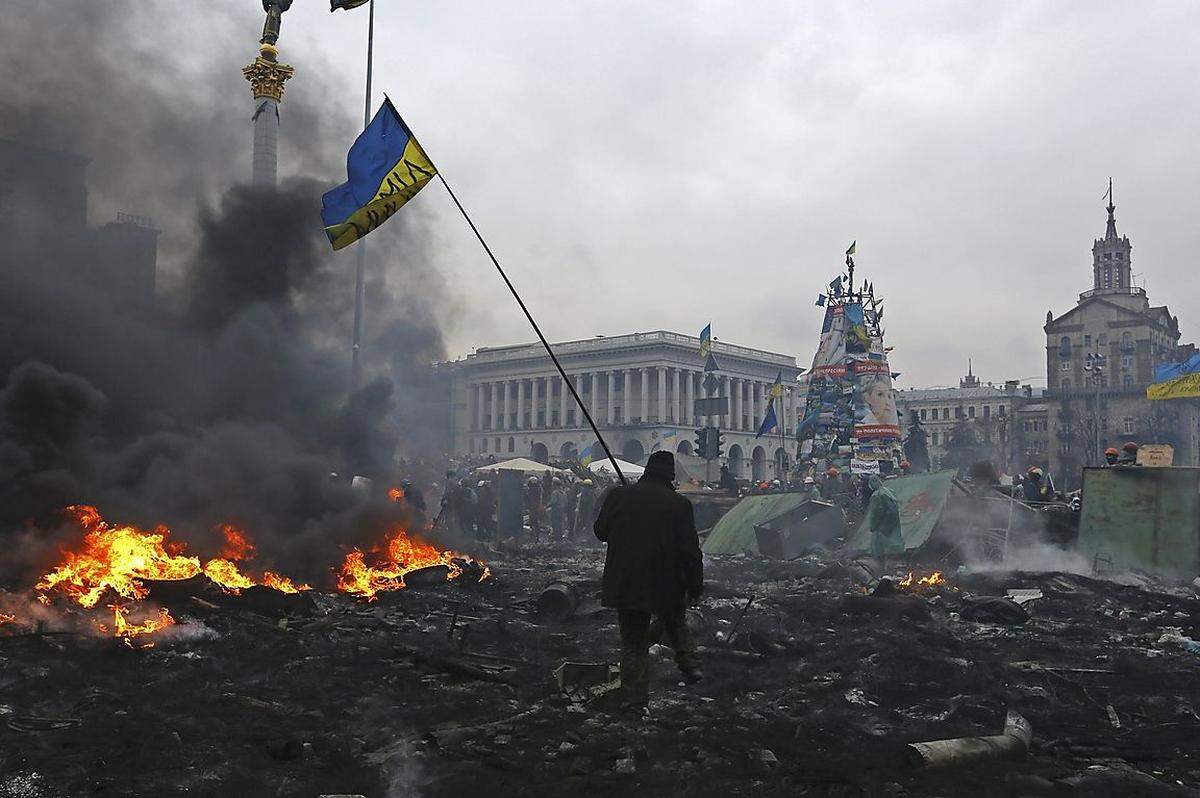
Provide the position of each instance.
(639, 388)
(987, 412)
(1100, 356)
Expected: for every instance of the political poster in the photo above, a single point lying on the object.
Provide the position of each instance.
(874, 401)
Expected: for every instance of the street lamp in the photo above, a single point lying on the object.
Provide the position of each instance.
(1095, 365)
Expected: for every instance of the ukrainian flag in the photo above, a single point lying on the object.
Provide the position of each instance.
(706, 340)
(386, 168)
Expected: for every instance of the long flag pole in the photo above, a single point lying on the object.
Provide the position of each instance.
(534, 324)
(360, 267)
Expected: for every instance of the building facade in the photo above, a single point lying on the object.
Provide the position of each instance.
(1100, 356)
(980, 419)
(640, 389)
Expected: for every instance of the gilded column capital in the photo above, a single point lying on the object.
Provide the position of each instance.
(266, 75)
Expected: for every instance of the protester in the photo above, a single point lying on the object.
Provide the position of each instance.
(728, 482)
(487, 510)
(812, 490)
(1111, 455)
(905, 468)
(653, 567)
(832, 487)
(585, 510)
(1129, 454)
(534, 507)
(559, 499)
(883, 519)
(1037, 487)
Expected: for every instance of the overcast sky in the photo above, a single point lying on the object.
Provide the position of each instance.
(646, 165)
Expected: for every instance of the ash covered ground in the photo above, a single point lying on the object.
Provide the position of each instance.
(448, 690)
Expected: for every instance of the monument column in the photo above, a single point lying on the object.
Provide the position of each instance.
(492, 398)
(662, 393)
(520, 404)
(627, 396)
(677, 412)
(267, 76)
(690, 409)
(533, 401)
(645, 394)
(506, 422)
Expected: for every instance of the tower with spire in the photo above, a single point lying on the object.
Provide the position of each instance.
(1111, 269)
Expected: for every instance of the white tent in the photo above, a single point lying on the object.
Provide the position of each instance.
(521, 464)
(605, 466)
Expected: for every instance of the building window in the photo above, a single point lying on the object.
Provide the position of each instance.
(922, 414)
(1103, 339)
(1064, 346)
(483, 446)
(971, 411)
(1065, 366)
(934, 438)
(958, 412)
(497, 444)
(1000, 411)
(1087, 342)
(1066, 385)
(1128, 425)
(512, 444)
(1127, 381)
(987, 411)
(1126, 342)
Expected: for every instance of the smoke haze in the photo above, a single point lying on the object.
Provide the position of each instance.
(228, 402)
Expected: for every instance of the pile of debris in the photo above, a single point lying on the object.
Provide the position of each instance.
(820, 680)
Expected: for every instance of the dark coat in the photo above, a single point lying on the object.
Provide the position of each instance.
(653, 562)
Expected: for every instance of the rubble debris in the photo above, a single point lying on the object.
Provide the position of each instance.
(1023, 596)
(1013, 743)
(587, 680)
(557, 602)
(993, 609)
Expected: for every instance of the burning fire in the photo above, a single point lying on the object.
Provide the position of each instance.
(399, 554)
(127, 631)
(935, 578)
(117, 559)
(123, 558)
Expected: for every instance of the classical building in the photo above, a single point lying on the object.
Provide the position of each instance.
(639, 388)
(1100, 356)
(986, 411)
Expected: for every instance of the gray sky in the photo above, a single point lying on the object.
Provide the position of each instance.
(655, 165)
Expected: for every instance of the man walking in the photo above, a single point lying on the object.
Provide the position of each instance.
(653, 568)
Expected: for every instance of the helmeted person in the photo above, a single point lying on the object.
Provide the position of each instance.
(832, 486)
(653, 567)
(1129, 454)
(812, 491)
(905, 468)
(883, 519)
(1111, 456)
(1037, 487)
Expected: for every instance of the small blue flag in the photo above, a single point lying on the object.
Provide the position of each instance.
(821, 300)
(770, 422)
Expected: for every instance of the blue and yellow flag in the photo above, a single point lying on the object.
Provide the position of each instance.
(771, 420)
(386, 168)
(586, 456)
(706, 340)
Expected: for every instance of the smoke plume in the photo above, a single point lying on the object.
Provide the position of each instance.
(228, 401)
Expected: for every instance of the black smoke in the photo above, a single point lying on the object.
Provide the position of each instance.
(229, 403)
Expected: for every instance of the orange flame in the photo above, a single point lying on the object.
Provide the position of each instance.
(117, 559)
(282, 583)
(396, 494)
(6, 618)
(237, 545)
(935, 578)
(399, 554)
(127, 631)
(123, 558)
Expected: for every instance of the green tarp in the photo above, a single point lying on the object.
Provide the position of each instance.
(734, 533)
(1144, 518)
(922, 499)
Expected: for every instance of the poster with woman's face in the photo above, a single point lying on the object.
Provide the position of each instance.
(874, 402)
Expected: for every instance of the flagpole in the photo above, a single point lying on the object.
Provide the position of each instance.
(536, 329)
(360, 266)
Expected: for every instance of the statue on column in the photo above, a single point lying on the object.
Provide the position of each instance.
(274, 9)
